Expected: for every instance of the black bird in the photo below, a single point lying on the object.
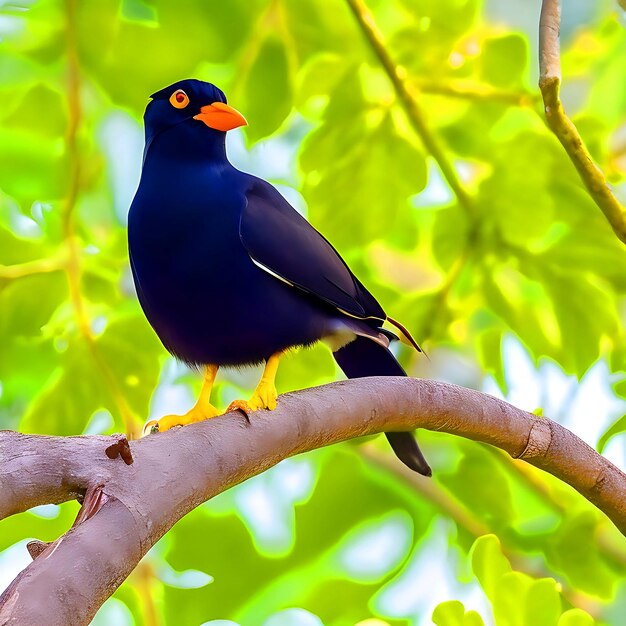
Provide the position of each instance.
(229, 273)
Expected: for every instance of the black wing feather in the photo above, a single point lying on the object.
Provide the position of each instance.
(278, 238)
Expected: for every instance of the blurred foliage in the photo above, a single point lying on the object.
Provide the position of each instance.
(333, 537)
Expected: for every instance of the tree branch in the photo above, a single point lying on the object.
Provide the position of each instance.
(479, 92)
(128, 507)
(550, 85)
(30, 268)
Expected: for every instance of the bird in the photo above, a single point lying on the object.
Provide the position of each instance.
(228, 273)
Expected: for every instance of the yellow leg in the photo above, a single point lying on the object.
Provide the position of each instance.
(265, 394)
(203, 409)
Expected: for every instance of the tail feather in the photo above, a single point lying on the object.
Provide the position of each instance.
(364, 357)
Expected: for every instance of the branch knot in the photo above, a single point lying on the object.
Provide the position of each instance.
(539, 440)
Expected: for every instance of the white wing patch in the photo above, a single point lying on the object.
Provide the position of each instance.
(269, 271)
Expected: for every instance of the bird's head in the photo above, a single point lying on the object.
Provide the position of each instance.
(194, 108)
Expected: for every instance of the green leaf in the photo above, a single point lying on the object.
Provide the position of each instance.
(473, 619)
(39, 294)
(617, 427)
(490, 351)
(585, 313)
(32, 168)
(490, 497)
(576, 617)
(449, 235)
(312, 29)
(543, 603)
(489, 564)
(572, 550)
(131, 350)
(367, 174)
(524, 306)
(515, 197)
(318, 79)
(139, 11)
(452, 613)
(433, 28)
(504, 60)
(188, 34)
(513, 591)
(268, 91)
(449, 613)
(42, 111)
(71, 395)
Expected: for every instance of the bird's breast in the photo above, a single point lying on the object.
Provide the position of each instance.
(199, 288)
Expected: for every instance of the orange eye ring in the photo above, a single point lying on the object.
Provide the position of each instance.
(179, 99)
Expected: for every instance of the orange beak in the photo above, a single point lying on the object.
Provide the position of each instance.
(220, 116)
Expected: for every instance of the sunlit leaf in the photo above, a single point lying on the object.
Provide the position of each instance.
(576, 617)
(268, 90)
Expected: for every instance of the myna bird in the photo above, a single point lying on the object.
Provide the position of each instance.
(229, 273)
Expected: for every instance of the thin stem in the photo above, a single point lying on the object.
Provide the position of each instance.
(145, 580)
(558, 121)
(434, 316)
(428, 489)
(469, 90)
(71, 142)
(30, 268)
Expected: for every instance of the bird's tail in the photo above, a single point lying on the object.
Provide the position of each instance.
(364, 357)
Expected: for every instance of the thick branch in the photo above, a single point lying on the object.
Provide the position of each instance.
(550, 84)
(130, 506)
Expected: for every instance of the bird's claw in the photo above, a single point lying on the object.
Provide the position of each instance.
(264, 397)
(240, 405)
(197, 413)
(150, 428)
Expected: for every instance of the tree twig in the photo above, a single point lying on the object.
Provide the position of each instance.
(550, 85)
(397, 76)
(175, 471)
(469, 90)
(30, 268)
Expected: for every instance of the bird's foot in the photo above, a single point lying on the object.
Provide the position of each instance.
(264, 397)
(195, 414)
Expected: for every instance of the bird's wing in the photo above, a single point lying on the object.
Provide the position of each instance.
(283, 243)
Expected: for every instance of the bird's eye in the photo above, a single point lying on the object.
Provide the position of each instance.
(179, 99)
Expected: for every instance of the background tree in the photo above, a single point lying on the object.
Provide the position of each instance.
(415, 139)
